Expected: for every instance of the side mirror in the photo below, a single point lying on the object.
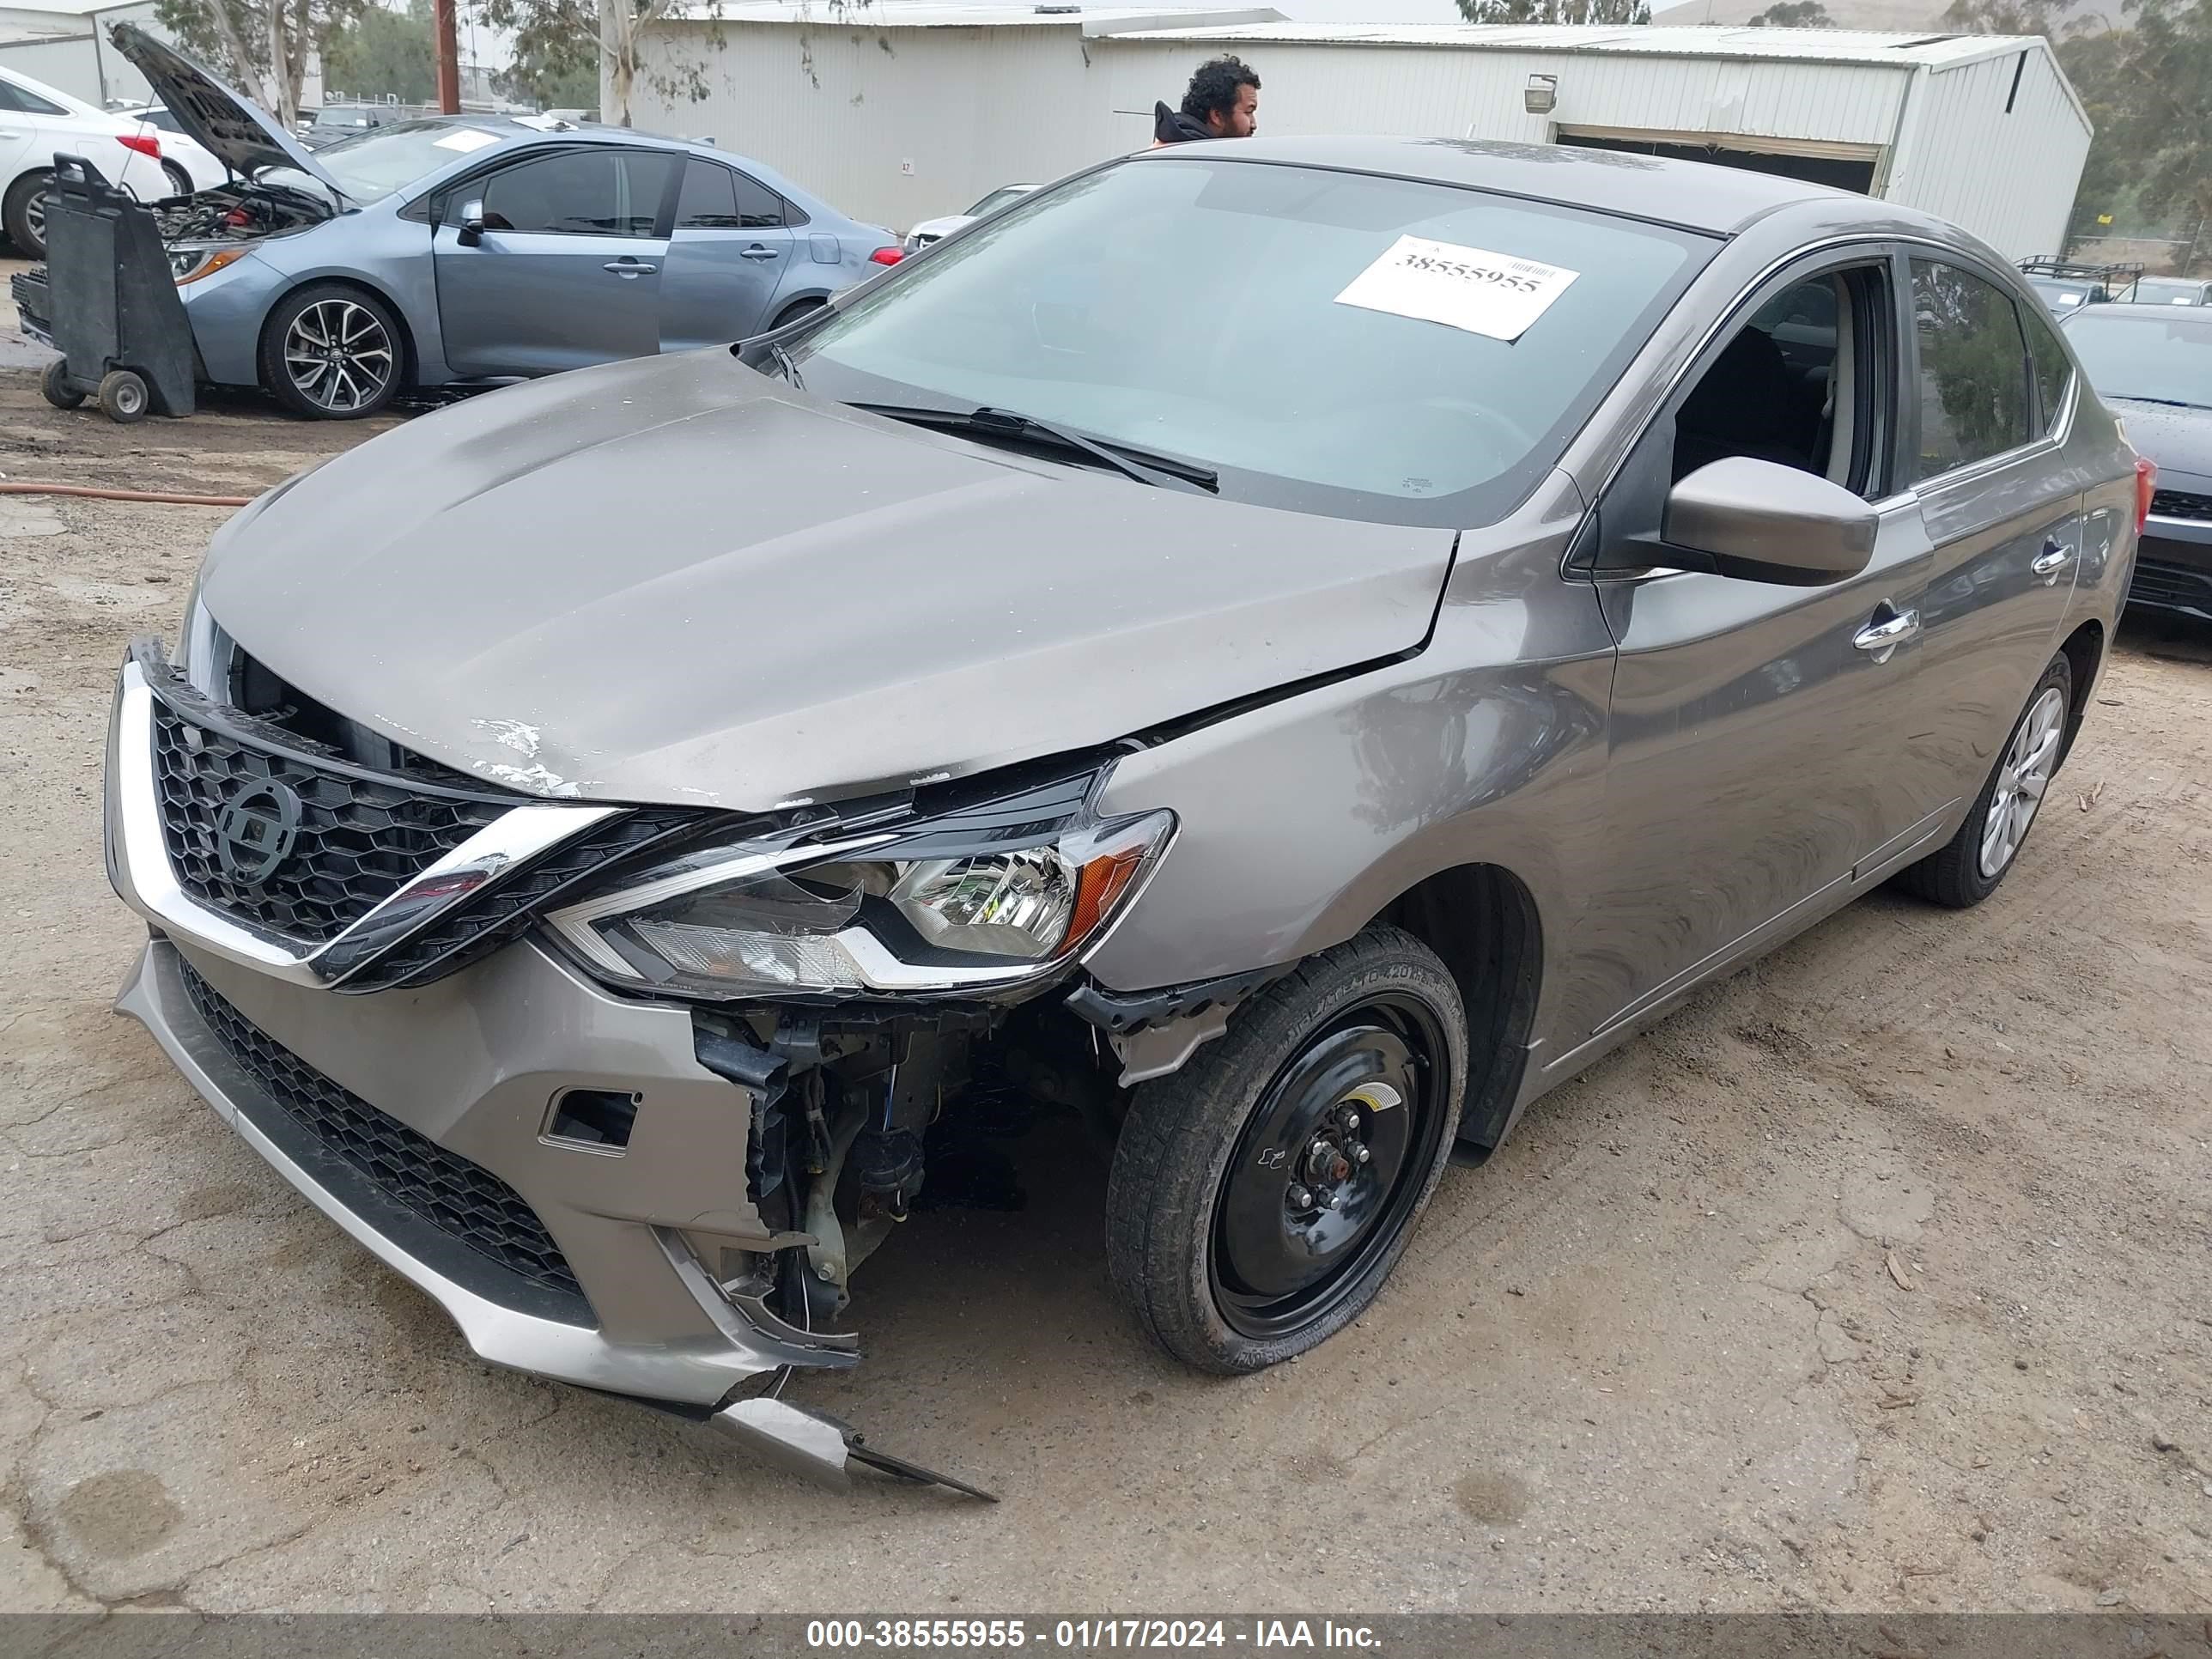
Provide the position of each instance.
(1762, 522)
(472, 223)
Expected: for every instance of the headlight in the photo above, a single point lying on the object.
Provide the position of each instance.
(856, 916)
(189, 264)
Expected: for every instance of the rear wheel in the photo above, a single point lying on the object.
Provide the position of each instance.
(1971, 863)
(180, 182)
(1261, 1195)
(23, 214)
(332, 353)
(791, 313)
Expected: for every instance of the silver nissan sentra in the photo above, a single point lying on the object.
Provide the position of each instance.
(1293, 647)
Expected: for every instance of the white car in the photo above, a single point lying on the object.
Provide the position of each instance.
(188, 160)
(36, 120)
(933, 230)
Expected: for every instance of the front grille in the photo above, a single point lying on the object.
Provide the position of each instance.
(465, 1201)
(358, 842)
(2171, 584)
(473, 930)
(2181, 504)
(28, 289)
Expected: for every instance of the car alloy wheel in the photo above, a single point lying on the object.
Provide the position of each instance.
(34, 217)
(1330, 1167)
(2022, 780)
(338, 355)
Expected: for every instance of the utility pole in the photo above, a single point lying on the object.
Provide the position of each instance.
(449, 58)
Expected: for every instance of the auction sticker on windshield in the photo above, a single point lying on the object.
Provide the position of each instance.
(1464, 288)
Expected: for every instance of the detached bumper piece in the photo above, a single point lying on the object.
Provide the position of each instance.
(819, 1446)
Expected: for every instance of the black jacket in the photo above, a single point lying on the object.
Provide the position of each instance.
(1172, 126)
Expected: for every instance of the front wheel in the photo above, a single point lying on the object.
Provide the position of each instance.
(332, 353)
(1973, 862)
(1261, 1194)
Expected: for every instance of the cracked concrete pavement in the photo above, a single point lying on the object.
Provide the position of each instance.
(1652, 1356)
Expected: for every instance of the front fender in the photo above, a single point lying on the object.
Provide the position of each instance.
(1301, 820)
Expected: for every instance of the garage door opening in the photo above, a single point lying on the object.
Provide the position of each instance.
(1852, 173)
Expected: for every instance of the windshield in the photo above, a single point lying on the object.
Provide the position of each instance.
(2062, 296)
(1199, 310)
(2168, 291)
(997, 199)
(372, 165)
(2161, 360)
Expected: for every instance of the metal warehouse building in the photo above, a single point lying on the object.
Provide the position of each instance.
(901, 111)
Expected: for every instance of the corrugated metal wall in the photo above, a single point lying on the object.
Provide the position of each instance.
(1428, 90)
(2007, 178)
(841, 108)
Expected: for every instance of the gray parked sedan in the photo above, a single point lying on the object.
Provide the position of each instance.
(1295, 646)
(473, 248)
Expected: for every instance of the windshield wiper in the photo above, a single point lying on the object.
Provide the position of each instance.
(1004, 423)
(790, 369)
(2168, 403)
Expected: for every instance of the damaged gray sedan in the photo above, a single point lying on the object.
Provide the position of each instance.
(1294, 647)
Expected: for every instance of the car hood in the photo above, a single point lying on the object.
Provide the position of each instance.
(2178, 439)
(237, 134)
(676, 580)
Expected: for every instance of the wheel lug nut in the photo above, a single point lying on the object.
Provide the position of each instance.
(1301, 1198)
(1360, 1153)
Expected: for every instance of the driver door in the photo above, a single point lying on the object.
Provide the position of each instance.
(566, 271)
(1757, 729)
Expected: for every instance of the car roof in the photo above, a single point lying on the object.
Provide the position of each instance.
(2189, 316)
(1695, 195)
(522, 129)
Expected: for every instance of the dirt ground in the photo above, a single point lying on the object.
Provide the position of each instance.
(1878, 1279)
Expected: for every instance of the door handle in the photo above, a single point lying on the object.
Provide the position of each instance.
(2055, 557)
(1883, 637)
(756, 251)
(629, 267)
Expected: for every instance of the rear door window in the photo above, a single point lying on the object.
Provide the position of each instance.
(14, 99)
(1973, 375)
(2053, 370)
(709, 198)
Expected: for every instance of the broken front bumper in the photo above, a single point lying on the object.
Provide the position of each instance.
(585, 1268)
(417, 1119)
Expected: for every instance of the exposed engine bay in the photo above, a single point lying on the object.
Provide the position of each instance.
(194, 227)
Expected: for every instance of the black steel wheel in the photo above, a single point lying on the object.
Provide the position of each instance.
(1261, 1196)
(56, 388)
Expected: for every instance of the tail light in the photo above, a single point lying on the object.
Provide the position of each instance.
(2146, 487)
(144, 143)
(887, 256)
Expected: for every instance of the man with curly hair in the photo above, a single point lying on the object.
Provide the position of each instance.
(1222, 102)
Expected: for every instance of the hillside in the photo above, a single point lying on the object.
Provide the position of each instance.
(1888, 17)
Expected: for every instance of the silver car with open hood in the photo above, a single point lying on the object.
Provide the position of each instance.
(1294, 648)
